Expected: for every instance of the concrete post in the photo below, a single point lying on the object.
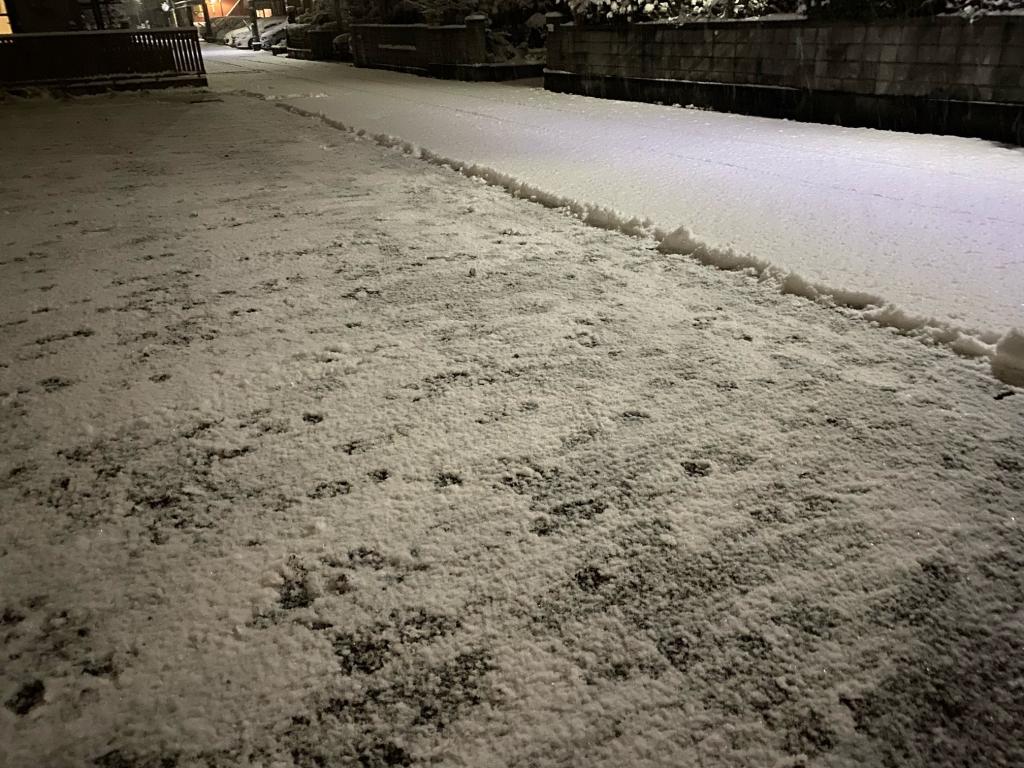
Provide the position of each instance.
(553, 20)
(476, 33)
(254, 21)
(208, 24)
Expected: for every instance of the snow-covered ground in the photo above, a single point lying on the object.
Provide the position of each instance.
(933, 226)
(369, 464)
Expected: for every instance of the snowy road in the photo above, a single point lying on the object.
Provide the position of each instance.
(934, 225)
(368, 464)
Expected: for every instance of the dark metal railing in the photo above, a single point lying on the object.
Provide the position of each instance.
(131, 56)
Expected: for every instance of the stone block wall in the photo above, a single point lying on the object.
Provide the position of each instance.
(939, 58)
(418, 47)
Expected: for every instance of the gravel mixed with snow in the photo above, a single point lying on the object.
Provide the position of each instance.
(345, 459)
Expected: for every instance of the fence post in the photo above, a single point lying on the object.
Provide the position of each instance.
(97, 14)
(253, 18)
(476, 42)
(207, 21)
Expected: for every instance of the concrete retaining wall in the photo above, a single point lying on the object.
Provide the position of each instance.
(916, 74)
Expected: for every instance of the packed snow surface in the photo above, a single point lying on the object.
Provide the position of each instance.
(366, 463)
(931, 225)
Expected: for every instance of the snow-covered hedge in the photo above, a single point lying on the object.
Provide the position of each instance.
(664, 10)
(977, 7)
(657, 10)
(501, 12)
(867, 10)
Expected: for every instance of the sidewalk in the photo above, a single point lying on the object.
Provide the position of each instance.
(341, 458)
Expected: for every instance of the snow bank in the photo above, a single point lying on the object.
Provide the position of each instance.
(1008, 360)
(681, 241)
(1005, 352)
(796, 285)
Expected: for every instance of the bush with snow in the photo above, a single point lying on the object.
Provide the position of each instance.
(980, 7)
(625, 10)
(867, 10)
(663, 10)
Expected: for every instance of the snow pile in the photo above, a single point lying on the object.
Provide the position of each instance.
(682, 241)
(796, 285)
(1008, 360)
(1006, 353)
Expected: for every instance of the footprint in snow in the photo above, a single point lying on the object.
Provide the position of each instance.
(697, 468)
(53, 383)
(330, 489)
(446, 479)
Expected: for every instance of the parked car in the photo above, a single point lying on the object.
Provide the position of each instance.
(222, 26)
(239, 38)
(243, 37)
(273, 32)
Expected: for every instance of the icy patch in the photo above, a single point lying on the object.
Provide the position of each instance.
(1005, 353)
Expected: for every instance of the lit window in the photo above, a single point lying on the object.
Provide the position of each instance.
(5, 23)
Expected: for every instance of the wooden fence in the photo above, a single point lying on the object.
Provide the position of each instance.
(137, 58)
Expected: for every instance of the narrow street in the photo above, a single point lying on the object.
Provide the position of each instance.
(931, 224)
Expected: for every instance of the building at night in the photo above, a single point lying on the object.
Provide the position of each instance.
(74, 15)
